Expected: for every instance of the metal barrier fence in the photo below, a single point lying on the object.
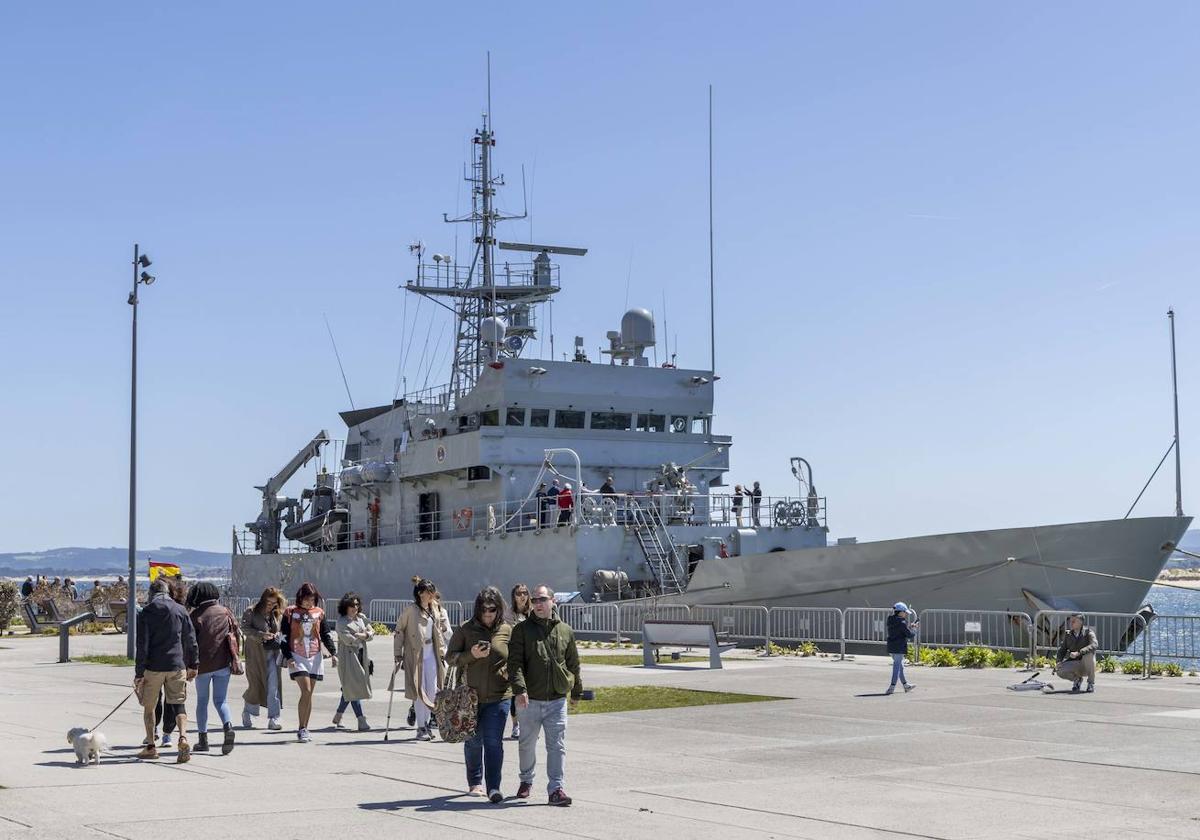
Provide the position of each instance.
(749, 625)
(806, 624)
(456, 613)
(966, 628)
(592, 621)
(1117, 633)
(1174, 637)
(865, 626)
(386, 610)
(631, 616)
(236, 605)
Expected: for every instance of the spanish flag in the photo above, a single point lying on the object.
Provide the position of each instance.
(168, 569)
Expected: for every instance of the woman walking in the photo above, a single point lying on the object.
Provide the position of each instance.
(304, 631)
(264, 661)
(217, 638)
(480, 648)
(899, 631)
(354, 663)
(420, 648)
(518, 612)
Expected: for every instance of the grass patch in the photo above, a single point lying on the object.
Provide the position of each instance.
(104, 659)
(630, 659)
(633, 698)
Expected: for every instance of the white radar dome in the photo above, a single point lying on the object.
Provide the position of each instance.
(637, 328)
(492, 330)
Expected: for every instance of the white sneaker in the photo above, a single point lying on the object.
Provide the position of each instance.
(516, 733)
(166, 740)
(274, 724)
(302, 736)
(909, 687)
(891, 690)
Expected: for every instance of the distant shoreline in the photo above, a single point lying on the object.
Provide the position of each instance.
(1190, 580)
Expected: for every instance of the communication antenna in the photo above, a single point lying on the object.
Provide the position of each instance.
(338, 356)
(712, 294)
(1175, 397)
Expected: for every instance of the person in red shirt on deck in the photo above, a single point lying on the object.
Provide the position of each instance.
(565, 504)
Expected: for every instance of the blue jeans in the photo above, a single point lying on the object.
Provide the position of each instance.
(898, 668)
(484, 751)
(551, 716)
(354, 704)
(219, 680)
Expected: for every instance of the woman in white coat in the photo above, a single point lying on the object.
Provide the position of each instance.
(422, 634)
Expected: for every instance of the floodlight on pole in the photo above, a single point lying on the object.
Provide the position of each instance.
(140, 261)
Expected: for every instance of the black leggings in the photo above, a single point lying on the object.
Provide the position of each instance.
(173, 711)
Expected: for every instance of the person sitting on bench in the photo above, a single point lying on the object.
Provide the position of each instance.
(1077, 654)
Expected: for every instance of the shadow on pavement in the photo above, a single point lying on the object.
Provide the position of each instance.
(448, 803)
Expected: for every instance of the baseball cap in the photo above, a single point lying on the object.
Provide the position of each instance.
(900, 606)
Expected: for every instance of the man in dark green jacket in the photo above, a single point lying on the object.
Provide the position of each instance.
(543, 669)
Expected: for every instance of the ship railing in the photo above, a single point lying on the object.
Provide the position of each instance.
(444, 276)
(998, 629)
(1118, 634)
(818, 625)
(1174, 637)
(742, 624)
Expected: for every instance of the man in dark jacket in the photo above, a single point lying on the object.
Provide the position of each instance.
(899, 631)
(543, 668)
(1077, 654)
(167, 657)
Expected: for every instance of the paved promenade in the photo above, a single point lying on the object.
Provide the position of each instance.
(958, 758)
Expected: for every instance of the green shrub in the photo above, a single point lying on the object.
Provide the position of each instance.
(1106, 665)
(942, 658)
(9, 602)
(974, 656)
(1003, 659)
(381, 629)
(1038, 662)
(1131, 666)
(1172, 669)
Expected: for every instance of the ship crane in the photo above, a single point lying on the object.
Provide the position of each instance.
(266, 528)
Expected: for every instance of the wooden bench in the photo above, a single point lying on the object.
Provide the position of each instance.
(683, 633)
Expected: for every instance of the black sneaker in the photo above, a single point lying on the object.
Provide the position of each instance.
(412, 715)
(1075, 687)
(559, 797)
(495, 797)
(1091, 688)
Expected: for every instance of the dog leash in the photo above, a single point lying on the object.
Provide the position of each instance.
(110, 714)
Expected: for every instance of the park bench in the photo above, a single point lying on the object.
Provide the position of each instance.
(683, 633)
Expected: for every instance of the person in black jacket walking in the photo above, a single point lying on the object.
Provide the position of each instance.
(167, 658)
(899, 631)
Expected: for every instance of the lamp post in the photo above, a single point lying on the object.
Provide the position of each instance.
(140, 262)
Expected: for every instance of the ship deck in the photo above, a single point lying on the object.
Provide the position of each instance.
(959, 758)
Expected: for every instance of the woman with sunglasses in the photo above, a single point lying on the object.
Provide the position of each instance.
(304, 632)
(354, 664)
(518, 612)
(480, 648)
(420, 648)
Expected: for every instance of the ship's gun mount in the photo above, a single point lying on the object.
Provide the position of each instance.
(266, 528)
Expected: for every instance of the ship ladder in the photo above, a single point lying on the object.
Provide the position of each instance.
(662, 556)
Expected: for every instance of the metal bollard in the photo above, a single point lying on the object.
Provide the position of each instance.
(64, 634)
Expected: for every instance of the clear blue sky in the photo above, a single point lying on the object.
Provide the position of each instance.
(947, 236)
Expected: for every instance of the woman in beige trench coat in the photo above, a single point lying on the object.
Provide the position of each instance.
(422, 634)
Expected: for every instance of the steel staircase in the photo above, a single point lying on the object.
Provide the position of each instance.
(662, 556)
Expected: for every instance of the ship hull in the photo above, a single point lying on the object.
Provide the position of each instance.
(1015, 569)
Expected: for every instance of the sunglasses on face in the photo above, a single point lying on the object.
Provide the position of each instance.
(541, 599)
(489, 609)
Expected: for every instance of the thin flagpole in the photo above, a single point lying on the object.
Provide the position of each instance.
(1175, 397)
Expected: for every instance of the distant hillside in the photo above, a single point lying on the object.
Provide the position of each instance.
(67, 561)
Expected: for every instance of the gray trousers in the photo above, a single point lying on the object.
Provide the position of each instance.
(551, 716)
(1078, 669)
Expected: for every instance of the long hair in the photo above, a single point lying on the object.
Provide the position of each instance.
(267, 594)
(177, 589)
(521, 588)
(422, 585)
(489, 596)
(308, 590)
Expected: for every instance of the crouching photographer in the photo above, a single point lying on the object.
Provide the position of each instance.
(1077, 654)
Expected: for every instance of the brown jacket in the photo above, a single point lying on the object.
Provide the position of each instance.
(1082, 643)
(214, 624)
(488, 676)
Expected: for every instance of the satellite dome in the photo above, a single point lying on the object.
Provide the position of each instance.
(637, 328)
(492, 330)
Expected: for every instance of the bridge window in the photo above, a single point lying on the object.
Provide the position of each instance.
(490, 417)
(353, 452)
(539, 417)
(479, 473)
(618, 421)
(651, 422)
(515, 417)
(565, 419)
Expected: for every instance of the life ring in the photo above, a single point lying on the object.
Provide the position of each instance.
(462, 518)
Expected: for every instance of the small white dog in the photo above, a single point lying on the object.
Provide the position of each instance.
(88, 745)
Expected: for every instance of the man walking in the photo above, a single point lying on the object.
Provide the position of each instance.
(543, 668)
(755, 505)
(1077, 655)
(167, 658)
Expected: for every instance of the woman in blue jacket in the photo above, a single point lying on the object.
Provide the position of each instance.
(899, 631)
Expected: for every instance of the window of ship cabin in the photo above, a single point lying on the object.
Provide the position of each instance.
(678, 424)
(566, 419)
(490, 417)
(699, 425)
(516, 417)
(479, 473)
(651, 422)
(617, 421)
(539, 417)
(353, 452)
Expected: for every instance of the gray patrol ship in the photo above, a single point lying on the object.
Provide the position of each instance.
(461, 483)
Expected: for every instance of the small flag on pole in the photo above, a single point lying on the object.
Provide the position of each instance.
(168, 569)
